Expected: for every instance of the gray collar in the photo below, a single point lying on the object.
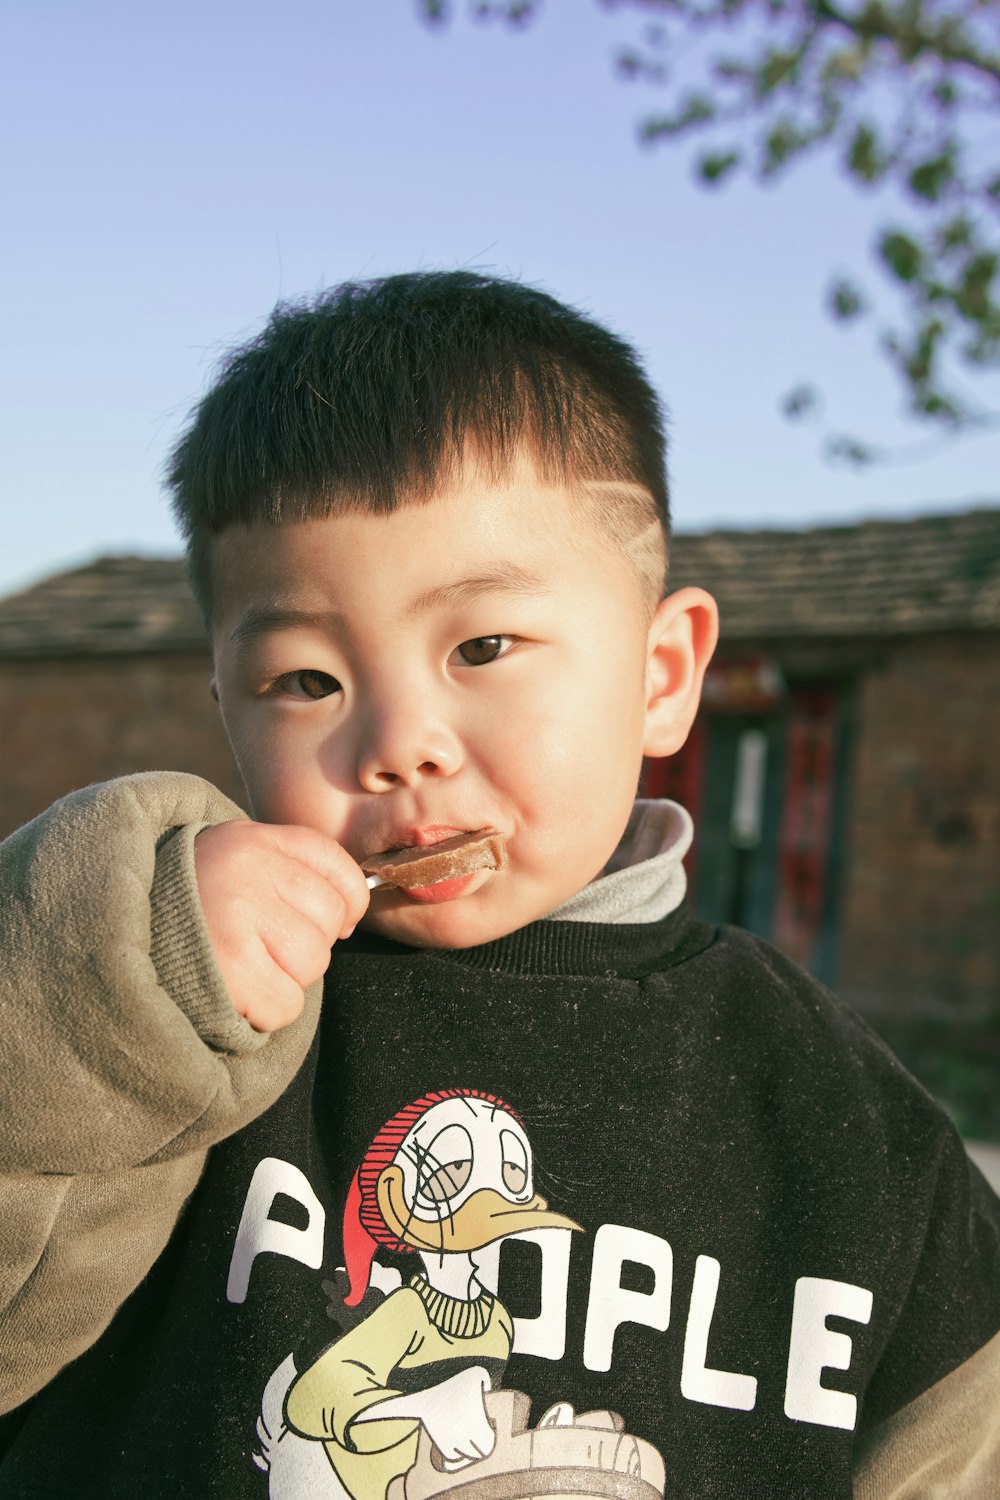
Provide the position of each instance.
(644, 879)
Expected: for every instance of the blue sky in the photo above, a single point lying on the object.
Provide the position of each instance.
(172, 170)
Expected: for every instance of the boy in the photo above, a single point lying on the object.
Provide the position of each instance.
(427, 523)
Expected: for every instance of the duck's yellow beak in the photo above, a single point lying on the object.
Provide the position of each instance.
(483, 1218)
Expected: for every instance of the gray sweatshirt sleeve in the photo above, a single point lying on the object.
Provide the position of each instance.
(945, 1444)
(121, 1058)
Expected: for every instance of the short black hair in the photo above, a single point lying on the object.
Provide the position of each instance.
(363, 396)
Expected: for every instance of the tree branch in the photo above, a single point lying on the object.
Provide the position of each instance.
(875, 23)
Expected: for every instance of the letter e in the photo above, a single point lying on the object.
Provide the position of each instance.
(813, 1347)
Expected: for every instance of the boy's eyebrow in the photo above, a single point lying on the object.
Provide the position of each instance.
(504, 578)
(263, 619)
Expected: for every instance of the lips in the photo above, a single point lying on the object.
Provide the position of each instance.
(440, 891)
(418, 838)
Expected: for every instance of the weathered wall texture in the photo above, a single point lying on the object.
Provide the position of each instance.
(68, 722)
(921, 914)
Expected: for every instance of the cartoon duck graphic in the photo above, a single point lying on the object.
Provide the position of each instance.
(444, 1179)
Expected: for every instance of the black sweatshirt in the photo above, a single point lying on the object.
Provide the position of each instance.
(779, 1241)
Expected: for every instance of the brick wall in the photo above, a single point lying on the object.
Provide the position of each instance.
(920, 925)
(66, 723)
(921, 917)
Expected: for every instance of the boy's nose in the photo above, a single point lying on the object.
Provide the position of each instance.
(402, 750)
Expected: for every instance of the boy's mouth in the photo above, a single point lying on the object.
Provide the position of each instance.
(441, 890)
(418, 838)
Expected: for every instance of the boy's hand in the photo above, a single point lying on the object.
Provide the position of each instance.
(276, 898)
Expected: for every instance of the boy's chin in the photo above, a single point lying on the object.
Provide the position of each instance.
(460, 923)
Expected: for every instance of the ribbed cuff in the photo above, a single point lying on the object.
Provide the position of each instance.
(181, 949)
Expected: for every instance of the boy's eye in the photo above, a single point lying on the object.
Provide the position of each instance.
(308, 683)
(484, 648)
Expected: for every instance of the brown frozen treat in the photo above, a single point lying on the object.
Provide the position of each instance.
(427, 864)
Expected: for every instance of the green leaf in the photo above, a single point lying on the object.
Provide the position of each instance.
(945, 93)
(514, 12)
(901, 254)
(930, 178)
(955, 234)
(846, 300)
(984, 349)
(715, 165)
(864, 158)
(919, 362)
(843, 449)
(695, 109)
(973, 296)
(846, 63)
(801, 401)
(934, 403)
(783, 141)
(775, 69)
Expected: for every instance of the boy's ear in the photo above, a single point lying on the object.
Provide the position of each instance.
(682, 637)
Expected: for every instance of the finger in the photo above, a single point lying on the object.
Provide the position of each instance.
(327, 858)
(303, 891)
(269, 998)
(298, 947)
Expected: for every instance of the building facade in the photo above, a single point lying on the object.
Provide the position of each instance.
(843, 773)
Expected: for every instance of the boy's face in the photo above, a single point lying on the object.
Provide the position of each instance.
(481, 660)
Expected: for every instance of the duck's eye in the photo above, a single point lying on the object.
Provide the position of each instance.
(445, 1165)
(447, 1181)
(309, 683)
(483, 648)
(514, 1177)
(515, 1162)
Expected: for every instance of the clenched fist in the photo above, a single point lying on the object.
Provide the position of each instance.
(276, 898)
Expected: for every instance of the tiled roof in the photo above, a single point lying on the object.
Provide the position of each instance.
(113, 606)
(876, 578)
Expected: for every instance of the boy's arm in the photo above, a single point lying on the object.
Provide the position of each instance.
(118, 1041)
(121, 1058)
(943, 1439)
(946, 1442)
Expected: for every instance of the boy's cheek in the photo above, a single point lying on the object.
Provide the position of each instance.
(277, 788)
(276, 764)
